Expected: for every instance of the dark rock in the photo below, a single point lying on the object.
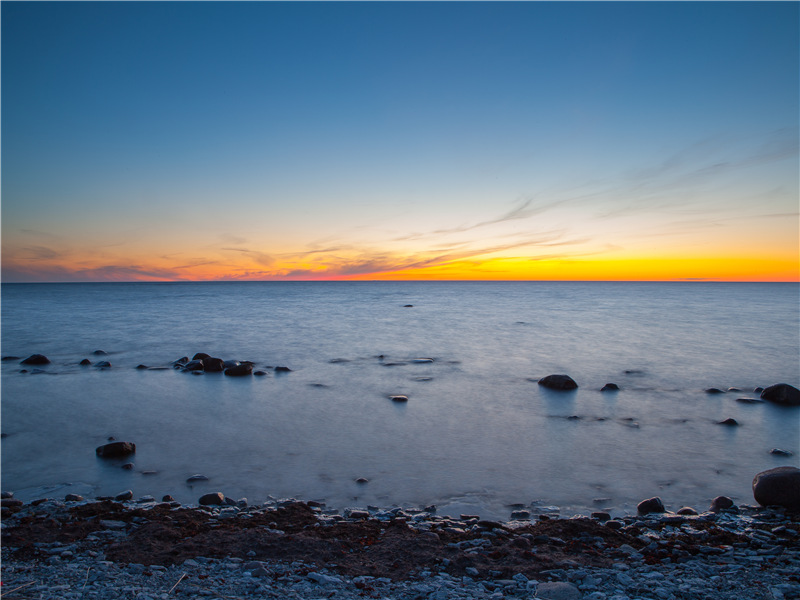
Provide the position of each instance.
(779, 452)
(558, 382)
(141, 367)
(181, 361)
(758, 390)
(734, 389)
(194, 365)
(36, 359)
(601, 516)
(8, 358)
(213, 365)
(100, 353)
(149, 472)
(128, 466)
(103, 364)
(168, 498)
(240, 370)
(398, 398)
(11, 502)
(85, 362)
(782, 393)
(197, 477)
(609, 387)
(230, 363)
(651, 505)
(259, 373)
(614, 524)
(729, 422)
(116, 449)
(201, 356)
(719, 503)
(714, 391)
(212, 499)
(687, 510)
(124, 496)
(73, 498)
(408, 306)
(779, 486)
(282, 370)
(362, 480)
(4, 495)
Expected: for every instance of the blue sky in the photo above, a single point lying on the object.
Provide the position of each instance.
(211, 132)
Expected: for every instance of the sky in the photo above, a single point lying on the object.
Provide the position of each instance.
(161, 141)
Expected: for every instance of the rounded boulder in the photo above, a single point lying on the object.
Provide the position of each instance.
(651, 505)
(782, 393)
(36, 359)
(778, 487)
(212, 499)
(558, 382)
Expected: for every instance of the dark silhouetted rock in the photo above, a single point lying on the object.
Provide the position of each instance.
(167, 498)
(714, 391)
(9, 358)
(779, 452)
(194, 365)
(408, 306)
(720, 502)
(259, 373)
(124, 496)
(181, 361)
(758, 390)
(128, 466)
(609, 387)
(779, 486)
(651, 505)
(362, 480)
(213, 365)
(36, 359)
(558, 382)
(11, 502)
(100, 353)
(782, 393)
(141, 367)
(73, 498)
(282, 370)
(197, 477)
(729, 422)
(103, 364)
(212, 499)
(398, 398)
(601, 515)
(201, 356)
(240, 370)
(687, 510)
(116, 449)
(85, 362)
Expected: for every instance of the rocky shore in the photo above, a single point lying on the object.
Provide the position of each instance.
(149, 550)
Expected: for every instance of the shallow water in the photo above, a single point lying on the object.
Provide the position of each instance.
(477, 434)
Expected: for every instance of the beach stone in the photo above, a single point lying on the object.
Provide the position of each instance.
(782, 393)
(729, 422)
(4, 495)
(85, 362)
(779, 452)
(609, 387)
(9, 358)
(687, 510)
(181, 361)
(128, 466)
(398, 398)
(651, 505)
(558, 382)
(73, 498)
(283, 370)
(213, 365)
(36, 359)
(719, 503)
(240, 370)
(116, 449)
(779, 486)
(194, 365)
(212, 499)
(100, 353)
(126, 495)
(167, 498)
(11, 502)
(557, 590)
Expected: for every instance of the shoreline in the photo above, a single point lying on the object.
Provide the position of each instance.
(293, 549)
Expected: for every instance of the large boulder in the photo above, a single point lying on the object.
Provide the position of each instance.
(782, 393)
(213, 365)
(36, 359)
(558, 382)
(116, 449)
(779, 486)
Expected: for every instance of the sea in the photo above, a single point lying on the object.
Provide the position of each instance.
(477, 435)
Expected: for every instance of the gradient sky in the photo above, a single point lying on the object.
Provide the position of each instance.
(530, 140)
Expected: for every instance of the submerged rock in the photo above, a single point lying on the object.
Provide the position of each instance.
(194, 365)
(213, 365)
(558, 382)
(85, 362)
(719, 503)
(36, 359)
(779, 486)
(779, 452)
(116, 449)
(398, 398)
(714, 391)
(240, 370)
(609, 387)
(782, 393)
(282, 370)
(103, 364)
(729, 422)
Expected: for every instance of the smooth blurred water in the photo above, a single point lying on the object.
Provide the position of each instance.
(477, 434)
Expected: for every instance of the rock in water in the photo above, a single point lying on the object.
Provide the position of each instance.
(213, 499)
(782, 393)
(36, 359)
(240, 370)
(194, 365)
(651, 505)
(609, 387)
(201, 356)
(729, 422)
(558, 382)
(398, 398)
(779, 486)
(116, 449)
(213, 365)
(719, 503)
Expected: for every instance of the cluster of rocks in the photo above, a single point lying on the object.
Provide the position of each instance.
(288, 549)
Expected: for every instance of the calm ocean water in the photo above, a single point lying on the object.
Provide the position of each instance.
(477, 433)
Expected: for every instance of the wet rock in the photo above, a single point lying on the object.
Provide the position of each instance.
(167, 498)
(398, 398)
(11, 502)
(181, 361)
(73, 498)
(85, 362)
(362, 480)
(557, 590)
(720, 503)
(779, 452)
(213, 365)
(194, 365)
(212, 499)
(558, 382)
(609, 387)
(4, 495)
(240, 370)
(36, 359)
(729, 422)
(103, 364)
(9, 358)
(779, 486)
(141, 367)
(651, 505)
(714, 391)
(197, 477)
(100, 353)
(750, 400)
(128, 466)
(124, 496)
(201, 356)
(601, 515)
(782, 393)
(116, 449)
(283, 370)
(259, 373)
(687, 511)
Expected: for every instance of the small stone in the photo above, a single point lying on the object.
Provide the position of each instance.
(651, 505)
(601, 516)
(11, 502)
(126, 495)
(720, 503)
(240, 370)
(779, 452)
(282, 370)
(610, 387)
(197, 477)
(128, 466)
(116, 449)
(167, 498)
(714, 391)
(558, 382)
(85, 362)
(398, 398)
(729, 422)
(140, 367)
(73, 498)
(4, 495)
(212, 499)
(687, 510)
(103, 364)
(362, 480)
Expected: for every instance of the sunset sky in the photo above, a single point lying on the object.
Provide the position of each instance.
(527, 140)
